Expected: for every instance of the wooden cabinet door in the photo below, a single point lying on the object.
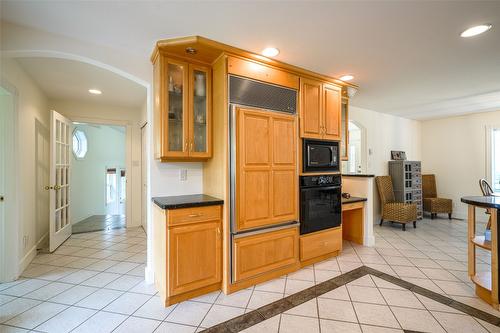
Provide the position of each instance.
(266, 158)
(195, 256)
(175, 118)
(284, 176)
(261, 253)
(311, 118)
(344, 144)
(200, 111)
(332, 100)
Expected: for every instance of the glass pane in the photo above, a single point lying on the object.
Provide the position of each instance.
(343, 146)
(175, 85)
(200, 111)
(496, 160)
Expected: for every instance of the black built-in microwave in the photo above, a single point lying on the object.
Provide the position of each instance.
(320, 156)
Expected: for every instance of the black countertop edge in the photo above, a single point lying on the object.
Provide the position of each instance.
(357, 175)
(482, 201)
(353, 199)
(186, 201)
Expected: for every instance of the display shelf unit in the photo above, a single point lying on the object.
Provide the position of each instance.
(486, 282)
(407, 183)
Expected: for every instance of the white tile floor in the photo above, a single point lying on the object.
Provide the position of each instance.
(387, 308)
(95, 283)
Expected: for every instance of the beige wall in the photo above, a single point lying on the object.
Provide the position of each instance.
(33, 156)
(109, 114)
(385, 133)
(455, 150)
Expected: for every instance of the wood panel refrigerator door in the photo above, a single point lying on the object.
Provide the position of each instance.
(311, 122)
(195, 256)
(60, 169)
(332, 104)
(266, 158)
(284, 176)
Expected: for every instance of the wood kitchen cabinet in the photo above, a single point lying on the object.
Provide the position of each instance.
(187, 251)
(320, 111)
(344, 143)
(183, 110)
(267, 184)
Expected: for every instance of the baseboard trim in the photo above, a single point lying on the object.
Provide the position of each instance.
(28, 258)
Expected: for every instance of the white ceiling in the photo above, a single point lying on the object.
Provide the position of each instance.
(407, 56)
(71, 80)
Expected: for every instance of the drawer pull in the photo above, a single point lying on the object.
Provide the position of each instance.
(195, 215)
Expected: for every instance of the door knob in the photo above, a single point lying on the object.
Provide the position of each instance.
(1, 198)
(55, 187)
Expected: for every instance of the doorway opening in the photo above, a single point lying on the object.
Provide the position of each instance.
(356, 149)
(99, 177)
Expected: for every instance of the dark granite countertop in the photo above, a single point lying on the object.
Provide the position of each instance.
(482, 201)
(353, 199)
(357, 175)
(186, 201)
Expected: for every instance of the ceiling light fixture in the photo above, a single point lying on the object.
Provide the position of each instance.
(347, 77)
(476, 30)
(95, 91)
(270, 52)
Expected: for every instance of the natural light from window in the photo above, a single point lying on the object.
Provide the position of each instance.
(79, 144)
(496, 160)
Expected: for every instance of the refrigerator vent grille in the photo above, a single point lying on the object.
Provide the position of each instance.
(262, 95)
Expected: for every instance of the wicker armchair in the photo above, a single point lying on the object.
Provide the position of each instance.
(393, 211)
(432, 203)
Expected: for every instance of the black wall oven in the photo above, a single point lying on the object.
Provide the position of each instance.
(320, 156)
(320, 203)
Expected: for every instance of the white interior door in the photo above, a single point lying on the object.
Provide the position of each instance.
(60, 150)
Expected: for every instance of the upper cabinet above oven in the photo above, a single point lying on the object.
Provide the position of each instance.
(320, 111)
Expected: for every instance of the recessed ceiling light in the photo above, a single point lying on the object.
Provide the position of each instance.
(476, 30)
(95, 91)
(270, 52)
(347, 77)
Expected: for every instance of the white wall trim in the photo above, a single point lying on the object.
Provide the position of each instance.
(10, 229)
(26, 260)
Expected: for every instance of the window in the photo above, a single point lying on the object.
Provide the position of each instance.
(79, 144)
(110, 186)
(495, 159)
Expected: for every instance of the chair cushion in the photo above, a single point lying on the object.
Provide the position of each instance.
(399, 212)
(438, 205)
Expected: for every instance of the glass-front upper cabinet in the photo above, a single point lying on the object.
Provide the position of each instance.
(200, 81)
(176, 105)
(182, 110)
(344, 152)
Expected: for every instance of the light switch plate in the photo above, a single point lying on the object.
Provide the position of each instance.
(183, 175)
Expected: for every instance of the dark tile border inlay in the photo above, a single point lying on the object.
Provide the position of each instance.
(254, 317)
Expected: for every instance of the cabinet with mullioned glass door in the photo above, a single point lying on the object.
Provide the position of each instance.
(344, 141)
(182, 110)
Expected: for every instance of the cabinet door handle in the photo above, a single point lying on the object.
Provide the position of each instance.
(186, 146)
(218, 231)
(191, 146)
(195, 215)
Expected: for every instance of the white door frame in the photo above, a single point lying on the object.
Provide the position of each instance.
(144, 177)
(128, 156)
(10, 228)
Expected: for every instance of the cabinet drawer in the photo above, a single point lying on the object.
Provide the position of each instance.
(261, 253)
(318, 244)
(193, 214)
(351, 206)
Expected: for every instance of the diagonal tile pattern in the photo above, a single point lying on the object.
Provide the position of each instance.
(95, 283)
